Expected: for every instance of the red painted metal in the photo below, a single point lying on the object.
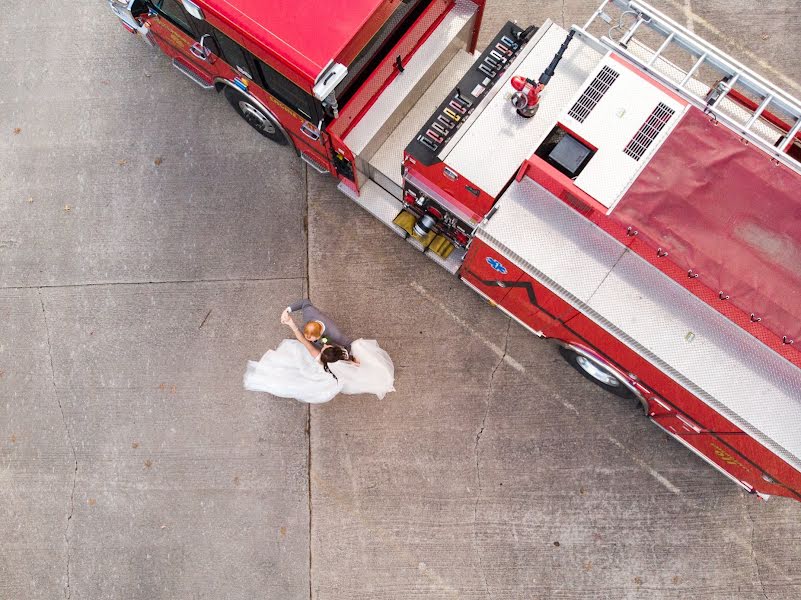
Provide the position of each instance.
(629, 234)
(457, 190)
(723, 178)
(306, 35)
(477, 26)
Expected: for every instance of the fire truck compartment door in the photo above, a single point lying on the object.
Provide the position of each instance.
(172, 36)
(489, 271)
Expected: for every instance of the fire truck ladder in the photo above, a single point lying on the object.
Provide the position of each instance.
(716, 83)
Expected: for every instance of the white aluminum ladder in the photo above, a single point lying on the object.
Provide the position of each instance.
(714, 100)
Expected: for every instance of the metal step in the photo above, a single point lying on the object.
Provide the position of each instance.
(385, 165)
(378, 202)
(189, 72)
(314, 162)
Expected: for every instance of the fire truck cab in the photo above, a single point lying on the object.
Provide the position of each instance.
(303, 73)
(622, 187)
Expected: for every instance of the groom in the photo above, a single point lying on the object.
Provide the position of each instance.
(319, 329)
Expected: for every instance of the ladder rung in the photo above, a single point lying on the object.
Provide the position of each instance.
(664, 45)
(792, 133)
(759, 111)
(596, 14)
(630, 33)
(692, 71)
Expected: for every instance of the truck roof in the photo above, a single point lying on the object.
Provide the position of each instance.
(715, 205)
(306, 34)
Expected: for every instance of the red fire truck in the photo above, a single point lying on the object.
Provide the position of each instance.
(622, 188)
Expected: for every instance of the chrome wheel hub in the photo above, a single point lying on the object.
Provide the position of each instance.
(596, 372)
(256, 118)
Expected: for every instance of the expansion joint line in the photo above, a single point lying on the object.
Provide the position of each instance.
(753, 554)
(67, 527)
(479, 433)
(305, 227)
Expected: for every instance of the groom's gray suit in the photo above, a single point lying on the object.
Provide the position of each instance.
(312, 313)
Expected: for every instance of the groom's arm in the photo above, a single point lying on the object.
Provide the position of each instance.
(299, 305)
(287, 320)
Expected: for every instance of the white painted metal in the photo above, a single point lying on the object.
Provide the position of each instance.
(328, 79)
(700, 90)
(612, 124)
(495, 140)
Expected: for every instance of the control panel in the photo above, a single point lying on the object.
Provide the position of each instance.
(457, 106)
(434, 214)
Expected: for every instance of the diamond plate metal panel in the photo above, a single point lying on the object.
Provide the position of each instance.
(715, 359)
(496, 132)
(440, 38)
(545, 232)
(738, 375)
(389, 157)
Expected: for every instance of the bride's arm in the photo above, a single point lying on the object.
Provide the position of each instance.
(287, 320)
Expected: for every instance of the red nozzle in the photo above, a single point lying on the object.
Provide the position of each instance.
(519, 82)
(530, 88)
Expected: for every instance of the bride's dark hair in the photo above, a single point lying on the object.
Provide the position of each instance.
(332, 354)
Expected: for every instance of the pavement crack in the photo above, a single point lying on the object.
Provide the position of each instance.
(476, 455)
(751, 548)
(563, 12)
(149, 282)
(307, 282)
(67, 526)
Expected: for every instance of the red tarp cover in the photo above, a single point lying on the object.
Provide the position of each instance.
(723, 209)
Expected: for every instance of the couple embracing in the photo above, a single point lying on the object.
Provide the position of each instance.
(320, 362)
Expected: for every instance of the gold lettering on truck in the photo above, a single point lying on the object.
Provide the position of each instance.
(726, 457)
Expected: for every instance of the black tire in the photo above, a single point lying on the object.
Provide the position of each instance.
(255, 116)
(597, 372)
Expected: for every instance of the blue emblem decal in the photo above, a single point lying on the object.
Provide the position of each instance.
(496, 264)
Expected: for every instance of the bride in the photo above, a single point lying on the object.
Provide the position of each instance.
(297, 369)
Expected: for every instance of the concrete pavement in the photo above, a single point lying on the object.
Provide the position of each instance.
(148, 241)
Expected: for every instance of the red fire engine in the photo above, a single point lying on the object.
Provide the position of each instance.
(623, 188)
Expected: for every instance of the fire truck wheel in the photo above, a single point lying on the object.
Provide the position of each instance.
(255, 116)
(597, 372)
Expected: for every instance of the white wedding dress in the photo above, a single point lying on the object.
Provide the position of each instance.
(290, 371)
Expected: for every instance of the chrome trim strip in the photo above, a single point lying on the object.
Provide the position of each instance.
(746, 486)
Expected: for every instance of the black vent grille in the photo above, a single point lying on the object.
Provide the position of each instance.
(647, 133)
(593, 94)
